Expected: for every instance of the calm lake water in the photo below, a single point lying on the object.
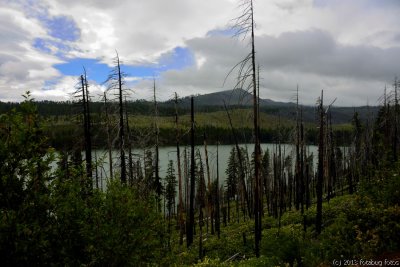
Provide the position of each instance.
(169, 153)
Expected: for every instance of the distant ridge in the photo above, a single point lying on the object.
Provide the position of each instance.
(212, 102)
(240, 97)
(234, 97)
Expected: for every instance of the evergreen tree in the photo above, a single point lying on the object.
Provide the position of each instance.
(232, 179)
(149, 171)
(170, 190)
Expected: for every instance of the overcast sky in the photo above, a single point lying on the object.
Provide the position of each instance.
(348, 48)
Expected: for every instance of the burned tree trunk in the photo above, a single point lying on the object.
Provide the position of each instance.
(217, 215)
(129, 143)
(121, 124)
(321, 148)
(109, 142)
(87, 129)
(190, 225)
(178, 157)
(210, 212)
(156, 167)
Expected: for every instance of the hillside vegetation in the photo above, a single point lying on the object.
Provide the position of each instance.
(57, 216)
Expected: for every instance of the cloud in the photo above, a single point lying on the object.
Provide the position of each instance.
(312, 59)
(22, 67)
(340, 45)
(317, 52)
(141, 31)
(65, 87)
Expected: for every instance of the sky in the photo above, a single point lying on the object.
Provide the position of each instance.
(349, 49)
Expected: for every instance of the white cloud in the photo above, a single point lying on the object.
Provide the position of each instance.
(339, 45)
(140, 30)
(22, 68)
(312, 59)
(65, 88)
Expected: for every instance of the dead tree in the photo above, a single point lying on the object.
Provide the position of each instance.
(178, 158)
(86, 128)
(129, 144)
(245, 25)
(156, 163)
(396, 114)
(108, 129)
(217, 215)
(190, 225)
(321, 149)
(209, 193)
(116, 82)
(121, 125)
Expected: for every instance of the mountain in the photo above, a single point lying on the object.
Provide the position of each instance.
(235, 97)
(241, 98)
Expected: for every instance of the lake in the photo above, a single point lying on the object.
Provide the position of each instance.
(169, 153)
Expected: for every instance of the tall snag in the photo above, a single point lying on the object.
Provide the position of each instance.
(86, 127)
(121, 125)
(129, 144)
(156, 160)
(115, 82)
(320, 178)
(217, 215)
(178, 158)
(108, 129)
(396, 114)
(244, 25)
(209, 202)
(190, 224)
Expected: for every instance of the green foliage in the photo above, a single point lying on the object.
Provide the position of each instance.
(123, 230)
(232, 172)
(170, 189)
(283, 245)
(384, 188)
(354, 226)
(47, 217)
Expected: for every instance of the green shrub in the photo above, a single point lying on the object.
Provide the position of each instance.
(283, 245)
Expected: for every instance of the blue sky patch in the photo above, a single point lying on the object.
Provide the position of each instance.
(62, 27)
(41, 45)
(178, 58)
(95, 70)
(45, 45)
